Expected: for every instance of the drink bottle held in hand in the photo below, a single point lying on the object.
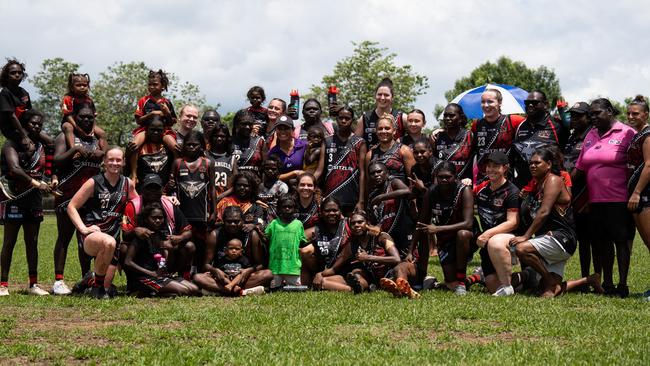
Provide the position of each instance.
(294, 102)
(331, 97)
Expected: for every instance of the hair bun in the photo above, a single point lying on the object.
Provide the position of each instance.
(640, 98)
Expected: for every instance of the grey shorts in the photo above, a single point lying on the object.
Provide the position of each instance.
(280, 280)
(554, 255)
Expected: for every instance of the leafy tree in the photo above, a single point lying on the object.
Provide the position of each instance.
(51, 81)
(118, 89)
(357, 76)
(116, 94)
(507, 71)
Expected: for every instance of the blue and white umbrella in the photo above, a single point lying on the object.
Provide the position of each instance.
(513, 100)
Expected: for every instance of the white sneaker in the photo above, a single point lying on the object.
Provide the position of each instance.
(504, 291)
(4, 291)
(257, 290)
(460, 290)
(36, 290)
(60, 288)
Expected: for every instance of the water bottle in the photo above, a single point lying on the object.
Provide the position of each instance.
(294, 102)
(162, 262)
(331, 96)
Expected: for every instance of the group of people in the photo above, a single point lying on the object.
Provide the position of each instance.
(353, 203)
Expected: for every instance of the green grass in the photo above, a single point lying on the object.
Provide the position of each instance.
(319, 327)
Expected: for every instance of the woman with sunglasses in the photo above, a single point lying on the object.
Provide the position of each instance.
(537, 130)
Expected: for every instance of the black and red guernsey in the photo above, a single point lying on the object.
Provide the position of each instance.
(106, 206)
(392, 159)
(223, 168)
(73, 175)
(392, 217)
(446, 211)
(154, 159)
(457, 150)
(491, 137)
(370, 120)
(342, 169)
(493, 205)
(308, 215)
(328, 246)
(636, 161)
(13, 100)
(249, 156)
(192, 190)
(531, 136)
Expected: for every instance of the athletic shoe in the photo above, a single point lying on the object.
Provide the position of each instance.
(257, 290)
(295, 288)
(111, 291)
(390, 286)
(429, 282)
(36, 290)
(85, 283)
(99, 293)
(622, 291)
(460, 290)
(60, 288)
(4, 291)
(504, 291)
(646, 295)
(405, 288)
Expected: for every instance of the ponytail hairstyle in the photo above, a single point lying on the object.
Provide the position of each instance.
(547, 154)
(640, 101)
(387, 82)
(71, 79)
(164, 81)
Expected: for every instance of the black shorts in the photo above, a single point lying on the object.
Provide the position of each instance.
(486, 262)
(611, 221)
(148, 285)
(28, 208)
(447, 252)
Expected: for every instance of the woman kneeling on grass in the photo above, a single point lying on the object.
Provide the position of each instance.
(96, 211)
(370, 255)
(148, 261)
(549, 207)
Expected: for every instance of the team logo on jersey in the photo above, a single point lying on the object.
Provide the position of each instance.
(614, 142)
(192, 188)
(544, 134)
(498, 202)
(156, 162)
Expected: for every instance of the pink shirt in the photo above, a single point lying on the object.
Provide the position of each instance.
(604, 161)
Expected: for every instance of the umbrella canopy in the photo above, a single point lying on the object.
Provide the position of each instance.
(470, 100)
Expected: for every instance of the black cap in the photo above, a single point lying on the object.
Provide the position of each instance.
(284, 121)
(152, 179)
(497, 157)
(580, 107)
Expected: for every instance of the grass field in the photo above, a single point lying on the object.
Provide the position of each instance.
(321, 328)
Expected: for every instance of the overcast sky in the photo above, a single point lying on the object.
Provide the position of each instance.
(597, 48)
